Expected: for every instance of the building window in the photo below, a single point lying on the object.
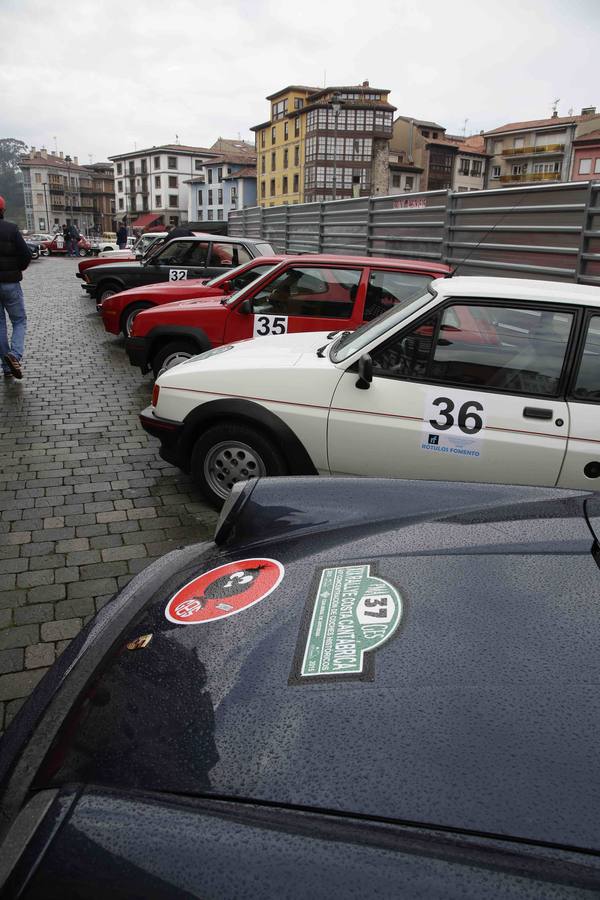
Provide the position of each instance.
(173, 201)
(475, 167)
(210, 176)
(597, 166)
(295, 184)
(263, 137)
(220, 197)
(495, 171)
(144, 166)
(120, 186)
(234, 195)
(285, 159)
(497, 147)
(396, 180)
(279, 110)
(546, 167)
(120, 203)
(585, 166)
(199, 198)
(210, 198)
(171, 162)
(157, 181)
(297, 155)
(298, 103)
(219, 214)
(263, 190)
(119, 168)
(424, 132)
(210, 215)
(229, 170)
(284, 188)
(297, 126)
(273, 135)
(198, 165)
(272, 187)
(157, 162)
(38, 178)
(158, 200)
(263, 164)
(219, 174)
(434, 135)
(519, 143)
(173, 181)
(273, 161)
(409, 182)
(465, 166)
(131, 167)
(285, 131)
(519, 170)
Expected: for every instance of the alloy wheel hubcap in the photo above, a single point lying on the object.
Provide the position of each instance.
(174, 359)
(229, 462)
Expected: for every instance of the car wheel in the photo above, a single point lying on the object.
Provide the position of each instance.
(82, 251)
(228, 453)
(172, 354)
(129, 314)
(107, 290)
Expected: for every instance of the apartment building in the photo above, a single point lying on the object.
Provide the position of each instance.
(324, 144)
(537, 150)
(440, 161)
(57, 191)
(586, 157)
(153, 185)
(103, 196)
(228, 182)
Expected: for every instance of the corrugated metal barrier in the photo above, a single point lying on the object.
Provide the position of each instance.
(550, 231)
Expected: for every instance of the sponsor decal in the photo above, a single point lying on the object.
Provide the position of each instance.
(452, 424)
(353, 613)
(224, 591)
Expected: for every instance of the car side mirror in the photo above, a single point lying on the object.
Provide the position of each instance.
(245, 307)
(365, 372)
(227, 287)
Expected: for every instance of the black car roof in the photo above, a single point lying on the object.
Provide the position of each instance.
(479, 713)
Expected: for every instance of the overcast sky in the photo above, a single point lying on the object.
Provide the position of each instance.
(97, 77)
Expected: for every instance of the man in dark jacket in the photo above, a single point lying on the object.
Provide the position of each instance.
(122, 236)
(14, 258)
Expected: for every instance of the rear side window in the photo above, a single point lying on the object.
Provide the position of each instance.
(387, 289)
(308, 291)
(228, 255)
(184, 253)
(587, 385)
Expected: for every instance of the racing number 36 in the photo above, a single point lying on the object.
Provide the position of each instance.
(468, 419)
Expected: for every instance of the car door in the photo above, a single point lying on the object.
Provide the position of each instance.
(301, 298)
(178, 261)
(581, 468)
(470, 393)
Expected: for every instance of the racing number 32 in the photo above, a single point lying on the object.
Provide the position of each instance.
(468, 419)
(266, 325)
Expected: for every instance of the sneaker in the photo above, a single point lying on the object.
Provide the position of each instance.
(14, 365)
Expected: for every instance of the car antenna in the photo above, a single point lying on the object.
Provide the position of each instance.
(487, 234)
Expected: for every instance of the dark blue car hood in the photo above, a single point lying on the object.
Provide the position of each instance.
(479, 712)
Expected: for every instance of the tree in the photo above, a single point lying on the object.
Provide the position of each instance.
(11, 178)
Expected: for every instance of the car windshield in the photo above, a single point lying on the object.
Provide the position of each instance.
(352, 341)
(235, 297)
(227, 276)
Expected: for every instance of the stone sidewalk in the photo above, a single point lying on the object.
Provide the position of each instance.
(85, 500)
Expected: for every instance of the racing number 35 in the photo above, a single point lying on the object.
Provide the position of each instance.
(468, 420)
(266, 325)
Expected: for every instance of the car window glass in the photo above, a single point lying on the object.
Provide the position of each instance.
(508, 348)
(587, 386)
(326, 293)
(228, 255)
(250, 275)
(387, 289)
(174, 253)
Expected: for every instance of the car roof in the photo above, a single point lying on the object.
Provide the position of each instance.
(477, 713)
(219, 238)
(517, 289)
(412, 265)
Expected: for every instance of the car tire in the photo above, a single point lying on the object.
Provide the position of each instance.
(231, 452)
(172, 354)
(82, 251)
(129, 314)
(107, 289)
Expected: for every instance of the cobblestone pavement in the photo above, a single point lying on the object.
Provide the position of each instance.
(85, 500)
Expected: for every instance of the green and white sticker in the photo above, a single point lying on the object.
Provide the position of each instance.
(354, 613)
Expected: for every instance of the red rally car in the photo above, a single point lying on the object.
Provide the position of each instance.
(302, 293)
(58, 245)
(119, 310)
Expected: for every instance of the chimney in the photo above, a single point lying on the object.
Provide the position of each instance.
(588, 111)
(61, 154)
(32, 151)
(555, 114)
(44, 153)
(365, 84)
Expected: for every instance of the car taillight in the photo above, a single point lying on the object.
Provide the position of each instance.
(155, 393)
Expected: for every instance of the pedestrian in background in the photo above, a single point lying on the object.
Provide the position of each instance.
(72, 240)
(122, 237)
(14, 259)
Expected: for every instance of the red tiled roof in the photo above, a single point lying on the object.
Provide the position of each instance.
(55, 161)
(590, 136)
(246, 172)
(540, 123)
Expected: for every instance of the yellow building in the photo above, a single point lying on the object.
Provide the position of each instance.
(323, 144)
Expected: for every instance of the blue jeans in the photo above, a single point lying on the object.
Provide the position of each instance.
(13, 303)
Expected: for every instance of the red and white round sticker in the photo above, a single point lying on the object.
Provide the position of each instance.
(224, 591)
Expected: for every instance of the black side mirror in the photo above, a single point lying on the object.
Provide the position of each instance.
(245, 307)
(365, 372)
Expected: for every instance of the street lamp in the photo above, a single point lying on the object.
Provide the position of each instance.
(336, 105)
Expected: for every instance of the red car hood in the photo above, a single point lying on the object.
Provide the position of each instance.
(181, 307)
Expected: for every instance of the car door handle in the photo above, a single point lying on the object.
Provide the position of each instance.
(536, 412)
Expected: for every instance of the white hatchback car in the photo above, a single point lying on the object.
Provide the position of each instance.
(479, 379)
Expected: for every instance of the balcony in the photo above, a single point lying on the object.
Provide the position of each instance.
(533, 176)
(534, 151)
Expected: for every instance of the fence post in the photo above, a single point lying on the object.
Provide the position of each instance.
(286, 232)
(321, 226)
(583, 240)
(369, 235)
(447, 228)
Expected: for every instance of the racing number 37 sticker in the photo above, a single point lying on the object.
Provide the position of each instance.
(452, 424)
(224, 591)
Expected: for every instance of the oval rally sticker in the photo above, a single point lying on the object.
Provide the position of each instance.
(224, 591)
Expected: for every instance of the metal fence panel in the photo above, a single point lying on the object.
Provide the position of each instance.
(546, 231)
